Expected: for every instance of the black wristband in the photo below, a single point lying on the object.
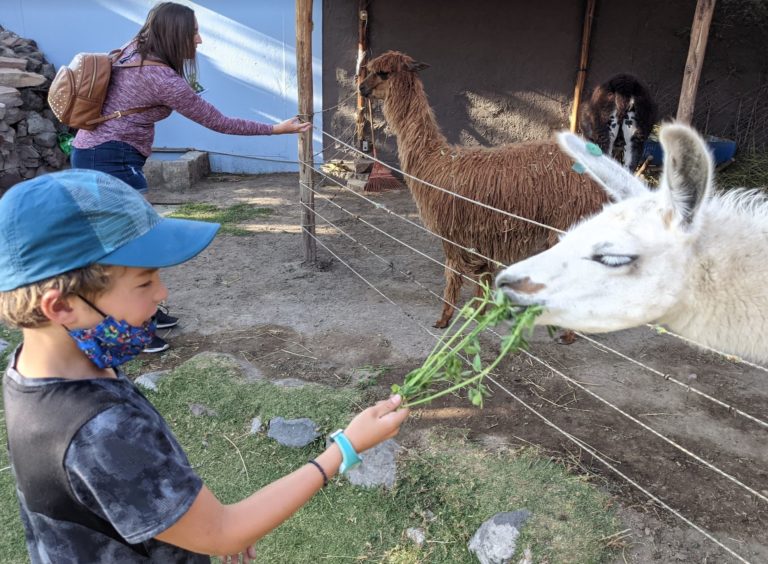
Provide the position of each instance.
(316, 465)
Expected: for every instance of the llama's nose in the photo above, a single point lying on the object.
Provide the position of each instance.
(518, 284)
(364, 90)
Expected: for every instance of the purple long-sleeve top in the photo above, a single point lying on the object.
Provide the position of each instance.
(160, 86)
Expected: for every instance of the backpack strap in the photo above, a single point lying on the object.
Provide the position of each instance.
(114, 55)
(118, 114)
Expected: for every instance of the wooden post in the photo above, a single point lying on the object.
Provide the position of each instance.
(306, 110)
(362, 53)
(581, 77)
(702, 19)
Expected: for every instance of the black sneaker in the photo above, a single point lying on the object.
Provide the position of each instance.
(156, 345)
(163, 320)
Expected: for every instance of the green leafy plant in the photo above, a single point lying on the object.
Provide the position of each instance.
(460, 346)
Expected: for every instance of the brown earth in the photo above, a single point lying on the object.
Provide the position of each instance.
(252, 296)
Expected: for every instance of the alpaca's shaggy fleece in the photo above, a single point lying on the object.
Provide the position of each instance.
(532, 180)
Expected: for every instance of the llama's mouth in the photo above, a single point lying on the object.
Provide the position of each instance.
(520, 289)
(521, 301)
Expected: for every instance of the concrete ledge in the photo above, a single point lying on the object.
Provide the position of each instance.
(176, 171)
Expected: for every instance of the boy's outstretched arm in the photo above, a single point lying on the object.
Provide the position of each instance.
(209, 527)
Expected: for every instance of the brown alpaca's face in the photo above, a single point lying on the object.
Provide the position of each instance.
(376, 84)
(382, 69)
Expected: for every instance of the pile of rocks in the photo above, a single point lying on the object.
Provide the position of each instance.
(28, 129)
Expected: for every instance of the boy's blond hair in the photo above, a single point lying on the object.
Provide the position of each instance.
(20, 308)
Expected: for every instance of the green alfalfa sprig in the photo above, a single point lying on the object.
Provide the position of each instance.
(442, 361)
(444, 364)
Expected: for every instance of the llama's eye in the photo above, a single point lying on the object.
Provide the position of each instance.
(614, 261)
(382, 75)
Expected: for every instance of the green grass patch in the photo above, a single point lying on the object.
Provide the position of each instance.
(13, 338)
(11, 532)
(453, 479)
(230, 217)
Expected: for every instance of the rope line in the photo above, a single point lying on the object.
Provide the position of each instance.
(648, 428)
(389, 263)
(411, 222)
(383, 232)
(322, 111)
(688, 387)
(578, 442)
(733, 358)
(583, 445)
(459, 196)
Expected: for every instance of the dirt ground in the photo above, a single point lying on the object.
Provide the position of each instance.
(253, 297)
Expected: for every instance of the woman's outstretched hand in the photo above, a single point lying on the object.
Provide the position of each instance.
(293, 125)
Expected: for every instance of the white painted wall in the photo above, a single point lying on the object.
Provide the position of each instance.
(247, 63)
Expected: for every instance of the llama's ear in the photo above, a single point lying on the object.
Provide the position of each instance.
(687, 177)
(616, 180)
(416, 66)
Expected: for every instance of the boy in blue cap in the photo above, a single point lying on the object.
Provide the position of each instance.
(99, 475)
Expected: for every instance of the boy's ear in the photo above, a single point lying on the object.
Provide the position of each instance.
(57, 307)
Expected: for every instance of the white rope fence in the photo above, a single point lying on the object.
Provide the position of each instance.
(581, 444)
(687, 387)
(661, 330)
(645, 426)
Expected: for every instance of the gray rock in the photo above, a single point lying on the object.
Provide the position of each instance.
(198, 410)
(150, 379)
(256, 425)
(289, 383)
(4, 345)
(13, 63)
(38, 124)
(379, 467)
(416, 535)
(46, 139)
(293, 432)
(10, 96)
(20, 79)
(496, 539)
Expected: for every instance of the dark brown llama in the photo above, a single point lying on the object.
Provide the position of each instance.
(532, 180)
(619, 117)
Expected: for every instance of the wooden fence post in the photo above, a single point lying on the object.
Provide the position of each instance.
(362, 59)
(699, 33)
(306, 111)
(581, 76)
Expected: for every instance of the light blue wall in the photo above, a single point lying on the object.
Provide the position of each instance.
(247, 63)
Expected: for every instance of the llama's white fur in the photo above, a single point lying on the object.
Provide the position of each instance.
(696, 262)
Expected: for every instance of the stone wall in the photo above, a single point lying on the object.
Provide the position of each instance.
(28, 129)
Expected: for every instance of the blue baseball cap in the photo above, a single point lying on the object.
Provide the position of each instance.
(66, 220)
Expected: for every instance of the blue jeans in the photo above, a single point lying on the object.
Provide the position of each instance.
(119, 159)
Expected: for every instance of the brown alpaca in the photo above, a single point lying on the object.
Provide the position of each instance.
(533, 180)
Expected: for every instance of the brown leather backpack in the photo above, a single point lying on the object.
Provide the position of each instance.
(78, 90)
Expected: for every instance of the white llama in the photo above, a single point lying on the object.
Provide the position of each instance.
(679, 255)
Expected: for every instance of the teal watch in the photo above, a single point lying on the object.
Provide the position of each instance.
(349, 458)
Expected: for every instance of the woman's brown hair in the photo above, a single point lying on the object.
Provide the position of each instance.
(169, 35)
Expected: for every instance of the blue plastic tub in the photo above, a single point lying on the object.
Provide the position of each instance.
(723, 150)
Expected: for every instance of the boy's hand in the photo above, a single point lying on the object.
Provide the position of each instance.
(293, 125)
(248, 556)
(376, 424)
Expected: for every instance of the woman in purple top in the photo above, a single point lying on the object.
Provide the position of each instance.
(120, 146)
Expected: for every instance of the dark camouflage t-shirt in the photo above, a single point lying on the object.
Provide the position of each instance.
(126, 466)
